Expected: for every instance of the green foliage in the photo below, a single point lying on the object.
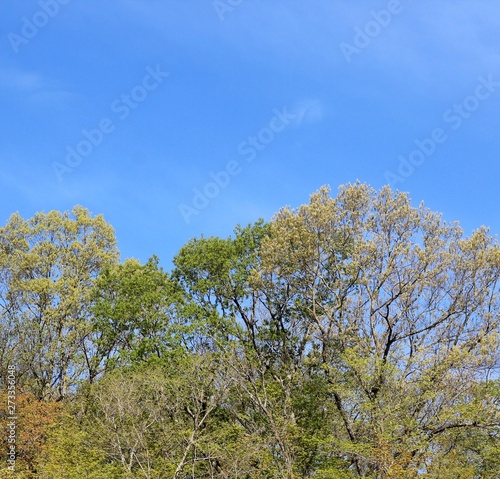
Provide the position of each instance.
(72, 453)
(48, 265)
(134, 316)
(355, 336)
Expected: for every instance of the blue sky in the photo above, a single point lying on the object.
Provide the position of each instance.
(272, 98)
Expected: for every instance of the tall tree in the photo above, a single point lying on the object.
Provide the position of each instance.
(275, 393)
(388, 313)
(402, 313)
(48, 265)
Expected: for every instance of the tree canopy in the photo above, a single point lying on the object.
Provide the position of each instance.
(356, 336)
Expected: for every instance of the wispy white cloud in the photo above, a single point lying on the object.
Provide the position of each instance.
(54, 98)
(22, 81)
(309, 111)
(34, 87)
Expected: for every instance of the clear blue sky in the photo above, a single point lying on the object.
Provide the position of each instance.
(128, 107)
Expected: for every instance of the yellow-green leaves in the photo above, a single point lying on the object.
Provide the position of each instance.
(357, 336)
(399, 309)
(48, 264)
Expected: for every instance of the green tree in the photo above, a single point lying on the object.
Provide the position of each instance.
(402, 312)
(165, 418)
(275, 393)
(134, 315)
(381, 313)
(48, 264)
(356, 336)
(71, 452)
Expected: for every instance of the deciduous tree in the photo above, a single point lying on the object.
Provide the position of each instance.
(48, 264)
